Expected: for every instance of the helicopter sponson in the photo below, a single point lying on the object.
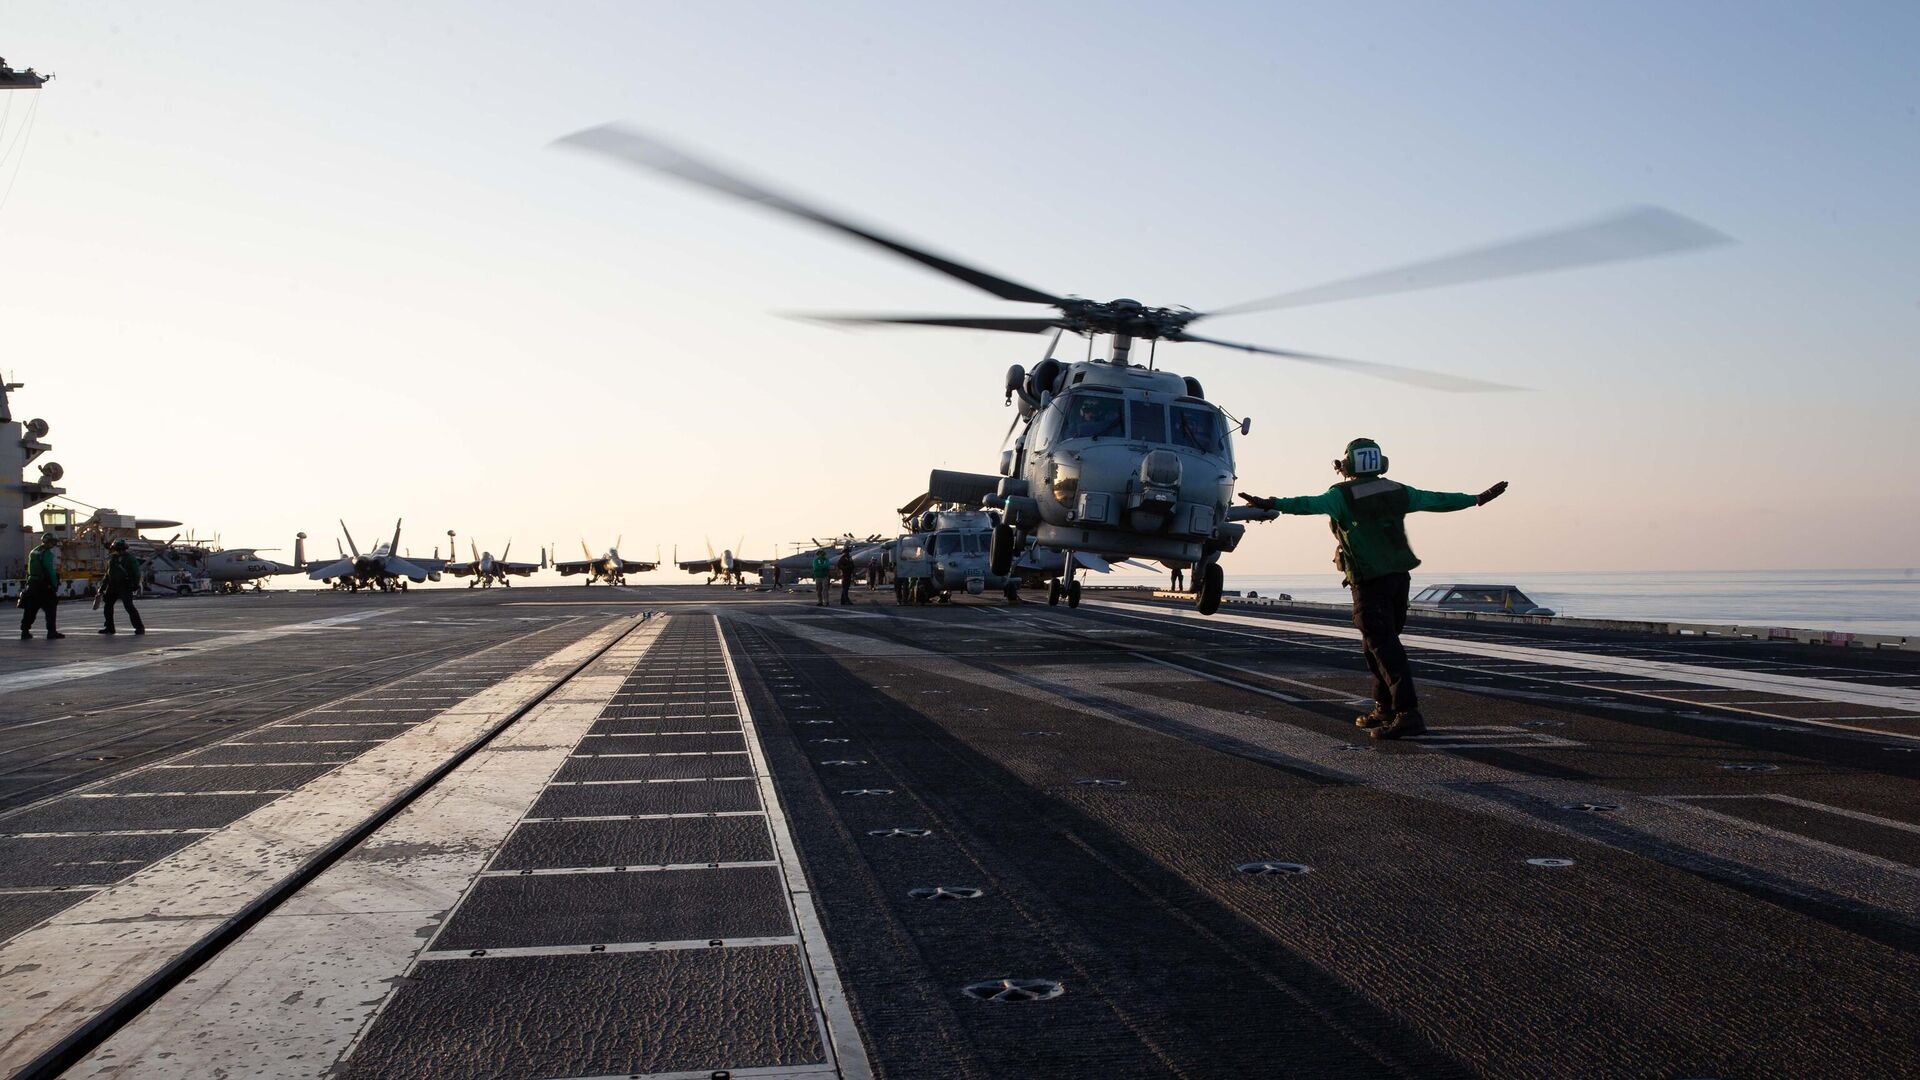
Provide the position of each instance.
(1120, 459)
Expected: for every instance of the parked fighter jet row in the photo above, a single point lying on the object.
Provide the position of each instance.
(387, 567)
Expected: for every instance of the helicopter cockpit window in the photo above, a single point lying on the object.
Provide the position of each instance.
(976, 543)
(1094, 416)
(1149, 421)
(1196, 429)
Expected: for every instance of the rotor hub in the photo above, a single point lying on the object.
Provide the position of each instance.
(1123, 316)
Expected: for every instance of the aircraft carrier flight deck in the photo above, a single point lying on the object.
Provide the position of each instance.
(699, 832)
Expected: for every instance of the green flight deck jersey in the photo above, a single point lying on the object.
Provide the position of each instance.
(43, 567)
(1369, 522)
(123, 572)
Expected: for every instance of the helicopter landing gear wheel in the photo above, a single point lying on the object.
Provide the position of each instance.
(1053, 593)
(1073, 594)
(1000, 551)
(1207, 596)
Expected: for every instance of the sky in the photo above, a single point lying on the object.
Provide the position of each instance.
(270, 264)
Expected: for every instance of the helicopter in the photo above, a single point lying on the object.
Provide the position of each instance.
(1123, 460)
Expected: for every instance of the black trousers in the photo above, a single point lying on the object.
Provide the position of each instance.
(846, 584)
(1380, 611)
(36, 599)
(123, 597)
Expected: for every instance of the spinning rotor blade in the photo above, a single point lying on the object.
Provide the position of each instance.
(1637, 233)
(636, 149)
(1431, 380)
(964, 322)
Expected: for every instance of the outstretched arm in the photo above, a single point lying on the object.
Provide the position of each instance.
(1447, 501)
(1327, 502)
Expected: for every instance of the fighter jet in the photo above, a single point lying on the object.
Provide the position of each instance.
(610, 568)
(485, 569)
(382, 568)
(725, 566)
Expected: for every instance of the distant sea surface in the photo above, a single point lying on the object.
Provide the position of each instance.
(1862, 601)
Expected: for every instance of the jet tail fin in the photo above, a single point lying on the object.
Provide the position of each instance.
(394, 548)
(350, 544)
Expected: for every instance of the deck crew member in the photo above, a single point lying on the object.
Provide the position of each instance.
(1368, 515)
(43, 587)
(845, 566)
(822, 577)
(123, 578)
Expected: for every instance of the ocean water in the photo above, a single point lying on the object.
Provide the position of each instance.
(1861, 601)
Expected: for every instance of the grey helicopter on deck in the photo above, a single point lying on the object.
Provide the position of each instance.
(1119, 459)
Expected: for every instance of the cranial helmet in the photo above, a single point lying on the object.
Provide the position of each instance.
(119, 545)
(1362, 457)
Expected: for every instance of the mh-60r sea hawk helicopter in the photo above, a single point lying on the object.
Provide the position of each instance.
(1120, 460)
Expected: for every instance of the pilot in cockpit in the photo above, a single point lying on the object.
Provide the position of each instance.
(1095, 417)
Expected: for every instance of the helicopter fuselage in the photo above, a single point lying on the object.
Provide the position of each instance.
(1121, 461)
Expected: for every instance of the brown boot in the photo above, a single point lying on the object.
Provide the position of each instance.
(1403, 725)
(1374, 719)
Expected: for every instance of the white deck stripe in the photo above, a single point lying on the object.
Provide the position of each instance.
(771, 1072)
(612, 947)
(109, 832)
(631, 868)
(86, 669)
(603, 817)
(842, 1034)
(1904, 699)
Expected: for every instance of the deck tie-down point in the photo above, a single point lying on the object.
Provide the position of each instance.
(1011, 991)
(1269, 867)
(946, 892)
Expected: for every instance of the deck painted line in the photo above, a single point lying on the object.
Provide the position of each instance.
(769, 1072)
(1904, 699)
(610, 947)
(109, 832)
(841, 1034)
(177, 794)
(86, 669)
(641, 817)
(1687, 803)
(663, 753)
(632, 868)
(58, 975)
(1825, 808)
